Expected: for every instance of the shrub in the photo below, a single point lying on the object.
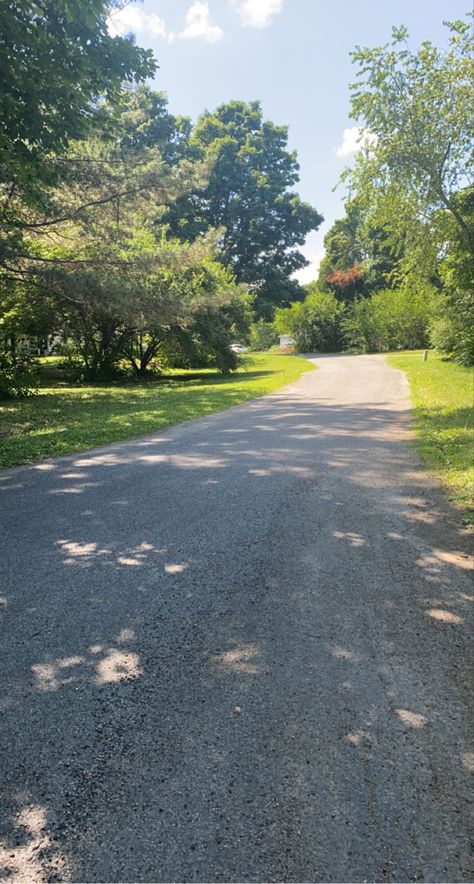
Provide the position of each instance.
(443, 335)
(315, 323)
(452, 335)
(392, 319)
(18, 377)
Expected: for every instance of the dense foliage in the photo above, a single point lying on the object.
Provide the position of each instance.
(57, 59)
(401, 259)
(249, 195)
(134, 238)
(139, 240)
(314, 323)
(413, 182)
(392, 319)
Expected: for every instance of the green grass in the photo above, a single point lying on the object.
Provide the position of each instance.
(64, 417)
(442, 396)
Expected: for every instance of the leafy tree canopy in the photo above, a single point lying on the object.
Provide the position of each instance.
(415, 180)
(418, 107)
(249, 193)
(144, 121)
(57, 59)
(359, 257)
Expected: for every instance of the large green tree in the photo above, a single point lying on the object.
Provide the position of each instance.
(250, 194)
(413, 180)
(60, 74)
(118, 284)
(143, 120)
(418, 107)
(57, 61)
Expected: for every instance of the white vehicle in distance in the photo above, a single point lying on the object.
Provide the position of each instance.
(238, 348)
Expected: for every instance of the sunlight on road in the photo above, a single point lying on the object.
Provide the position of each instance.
(23, 863)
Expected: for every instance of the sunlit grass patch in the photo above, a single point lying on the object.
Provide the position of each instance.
(443, 397)
(65, 418)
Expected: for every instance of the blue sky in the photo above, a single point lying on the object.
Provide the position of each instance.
(293, 56)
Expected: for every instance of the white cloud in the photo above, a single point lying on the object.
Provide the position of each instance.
(310, 272)
(354, 139)
(257, 13)
(130, 19)
(199, 25)
(156, 25)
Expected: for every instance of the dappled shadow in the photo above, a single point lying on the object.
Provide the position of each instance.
(238, 651)
(447, 441)
(28, 853)
(457, 419)
(67, 376)
(64, 418)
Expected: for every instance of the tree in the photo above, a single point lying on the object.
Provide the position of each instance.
(418, 108)
(346, 284)
(249, 194)
(120, 286)
(359, 257)
(453, 333)
(219, 317)
(60, 74)
(413, 180)
(276, 290)
(118, 282)
(57, 61)
(314, 323)
(143, 120)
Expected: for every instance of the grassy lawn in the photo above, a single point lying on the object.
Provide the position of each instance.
(442, 395)
(64, 417)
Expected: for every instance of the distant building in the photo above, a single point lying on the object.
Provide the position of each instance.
(34, 346)
(286, 342)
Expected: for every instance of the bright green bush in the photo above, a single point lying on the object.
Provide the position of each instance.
(392, 319)
(315, 323)
(452, 334)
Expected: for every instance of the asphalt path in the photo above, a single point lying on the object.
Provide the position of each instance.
(238, 650)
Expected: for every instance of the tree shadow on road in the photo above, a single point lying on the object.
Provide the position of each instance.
(190, 697)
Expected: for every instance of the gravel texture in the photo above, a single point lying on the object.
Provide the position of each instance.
(238, 650)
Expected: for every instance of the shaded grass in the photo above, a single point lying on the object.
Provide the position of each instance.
(443, 398)
(64, 418)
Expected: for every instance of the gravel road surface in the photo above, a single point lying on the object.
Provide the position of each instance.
(238, 650)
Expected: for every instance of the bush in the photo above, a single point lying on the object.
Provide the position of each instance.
(454, 339)
(315, 323)
(392, 319)
(452, 335)
(263, 335)
(18, 377)
(443, 335)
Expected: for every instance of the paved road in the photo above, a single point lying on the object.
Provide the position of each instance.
(237, 650)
